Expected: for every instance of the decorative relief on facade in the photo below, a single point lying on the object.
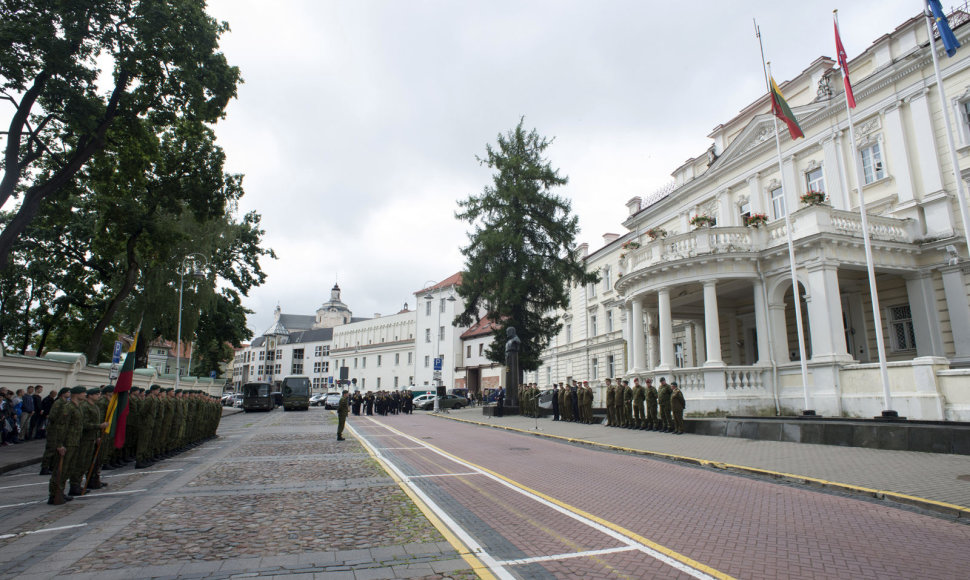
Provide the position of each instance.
(867, 130)
(764, 133)
(824, 91)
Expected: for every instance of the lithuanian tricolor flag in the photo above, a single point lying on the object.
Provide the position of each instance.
(779, 106)
(117, 414)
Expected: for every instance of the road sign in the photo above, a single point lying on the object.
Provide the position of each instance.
(116, 355)
(212, 374)
(437, 364)
(437, 376)
(113, 374)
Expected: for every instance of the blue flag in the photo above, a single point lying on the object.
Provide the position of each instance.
(943, 26)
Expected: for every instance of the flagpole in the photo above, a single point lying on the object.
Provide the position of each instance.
(766, 67)
(870, 268)
(961, 194)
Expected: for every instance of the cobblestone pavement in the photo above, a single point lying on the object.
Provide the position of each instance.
(544, 508)
(273, 495)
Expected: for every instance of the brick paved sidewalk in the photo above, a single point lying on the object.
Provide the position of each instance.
(922, 479)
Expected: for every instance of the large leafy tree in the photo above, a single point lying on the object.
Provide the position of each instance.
(164, 66)
(520, 259)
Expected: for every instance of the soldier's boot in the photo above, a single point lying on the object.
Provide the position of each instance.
(75, 490)
(45, 471)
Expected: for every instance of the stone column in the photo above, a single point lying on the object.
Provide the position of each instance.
(761, 324)
(826, 329)
(955, 289)
(639, 352)
(696, 338)
(898, 156)
(832, 170)
(926, 321)
(924, 140)
(712, 325)
(628, 336)
(779, 332)
(653, 339)
(666, 325)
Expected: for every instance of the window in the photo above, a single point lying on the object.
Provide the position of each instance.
(318, 367)
(397, 358)
(481, 348)
(260, 370)
(592, 325)
(872, 167)
(569, 333)
(679, 360)
(298, 355)
(362, 383)
(441, 308)
(595, 368)
(261, 354)
(395, 382)
(326, 366)
(278, 369)
(901, 325)
(441, 333)
(609, 321)
(427, 335)
(610, 366)
(814, 180)
(379, 358)
(410, 360)
(318, 351)
(607, 281)
(296, 368)
(427, 361)
(355, 363)
(778, 202)
(279, 354)
(591, 290)
(378, 382)
(469, 355)
(548, 375)
(363, 362)
(427, 308)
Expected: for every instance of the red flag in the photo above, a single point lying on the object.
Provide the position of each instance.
(844, 65)
(117, 415)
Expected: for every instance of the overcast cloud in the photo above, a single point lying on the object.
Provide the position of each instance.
(359, 121)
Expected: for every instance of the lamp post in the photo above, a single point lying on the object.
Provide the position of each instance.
(437, 380)
(197, 262)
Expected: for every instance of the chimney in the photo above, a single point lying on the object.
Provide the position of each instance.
(634, 205)
(377, 315)
(582, 250)
(610, 238)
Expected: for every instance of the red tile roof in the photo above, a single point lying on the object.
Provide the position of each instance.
(480, 328)
(453, 280)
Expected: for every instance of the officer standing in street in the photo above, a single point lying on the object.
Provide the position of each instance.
(663, 395)
(343, 408)
(677, 405)
(639, 396)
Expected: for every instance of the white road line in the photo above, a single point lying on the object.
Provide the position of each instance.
(21, 504)
(8, 536)
(465, 537)
(569, 555)
(127, 491)
(442, 475)
(399, 448)
(599, 527)
(106, 477)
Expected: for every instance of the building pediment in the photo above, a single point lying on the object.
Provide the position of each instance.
(760, 130)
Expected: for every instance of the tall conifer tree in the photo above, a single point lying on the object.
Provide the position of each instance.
(521, 259)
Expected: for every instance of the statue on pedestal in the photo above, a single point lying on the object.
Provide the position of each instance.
(513, 375)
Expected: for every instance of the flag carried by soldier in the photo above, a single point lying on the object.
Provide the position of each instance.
(117, 414)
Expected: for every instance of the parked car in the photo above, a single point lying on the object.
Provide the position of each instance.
(426, 402)
(331, 401)
(317, 399)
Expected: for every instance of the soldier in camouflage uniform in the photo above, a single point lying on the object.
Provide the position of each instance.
(147, 420)
(652, 422)
(51, 457)
(67, 436)
(610, 404)
(91, 427)
(639, 397)
(627, 405)
(663, 395)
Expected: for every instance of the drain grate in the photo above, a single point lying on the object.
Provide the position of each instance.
(964, 477)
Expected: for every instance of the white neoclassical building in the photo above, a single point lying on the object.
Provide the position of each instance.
(437, 337)
(378, 353)
(709, 301)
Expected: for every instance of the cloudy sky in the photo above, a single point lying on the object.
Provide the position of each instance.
(359, 122)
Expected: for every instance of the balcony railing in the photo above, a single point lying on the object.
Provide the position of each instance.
(808, 221)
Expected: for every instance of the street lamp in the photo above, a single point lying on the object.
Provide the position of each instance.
(429, 297)
(197, 262)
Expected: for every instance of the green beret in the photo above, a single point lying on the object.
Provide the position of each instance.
(154, 388)
(109, 389)
(78, 390)
(94, 391)
(64, 390)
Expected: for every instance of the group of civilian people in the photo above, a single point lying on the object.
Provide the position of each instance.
(23, 414)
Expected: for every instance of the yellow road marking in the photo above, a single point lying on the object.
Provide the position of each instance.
(877, 493)
(685, 560)
(466, 554)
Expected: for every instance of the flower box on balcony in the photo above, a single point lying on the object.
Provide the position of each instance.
(655, 233)
(755, 220)
(630, 245)
(813, 198)
(702, 221)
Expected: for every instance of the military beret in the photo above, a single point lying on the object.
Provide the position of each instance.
(154, 388)
(94, 391)
(64, 390)
(78, 390)
(110, 389)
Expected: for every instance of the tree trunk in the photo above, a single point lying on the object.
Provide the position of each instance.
(131, 276)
